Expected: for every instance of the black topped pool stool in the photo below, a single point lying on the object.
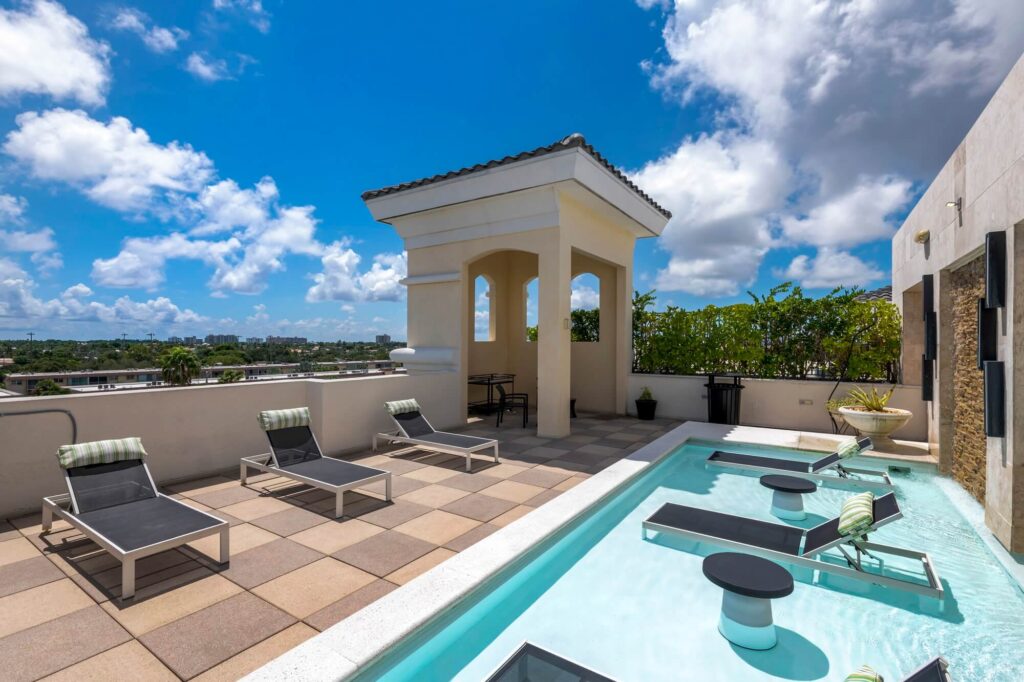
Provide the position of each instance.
(788, 498)
(749, 583)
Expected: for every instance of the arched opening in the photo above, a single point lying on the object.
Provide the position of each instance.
(530, 303)
(483, 317)
(586, 308)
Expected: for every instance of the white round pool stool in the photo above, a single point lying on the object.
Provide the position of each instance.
(788, 495)
(749, 583)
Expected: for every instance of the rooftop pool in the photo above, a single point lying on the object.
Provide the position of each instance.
(598, 594)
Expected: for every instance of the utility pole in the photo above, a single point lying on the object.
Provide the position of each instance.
(151, 335)
(124, 337)
(31, 338)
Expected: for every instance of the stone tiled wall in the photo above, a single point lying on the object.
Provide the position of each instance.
(968, 285)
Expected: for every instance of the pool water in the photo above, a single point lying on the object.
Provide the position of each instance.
(631, 609)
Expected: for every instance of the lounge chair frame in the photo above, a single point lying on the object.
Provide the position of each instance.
(853, 569)
(65, 507)
(399, 435)
(873, 480)
(267, 463)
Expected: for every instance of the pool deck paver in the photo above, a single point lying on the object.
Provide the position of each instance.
(294, 569)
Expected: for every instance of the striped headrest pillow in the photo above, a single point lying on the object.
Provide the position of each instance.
(848, 450)
(857, 514)
(865, 673)
(100, 452)
(271, 420)
(402, 406)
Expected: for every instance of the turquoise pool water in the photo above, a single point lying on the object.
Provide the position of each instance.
(642, 610)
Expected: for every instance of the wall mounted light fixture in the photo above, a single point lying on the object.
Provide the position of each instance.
(922, 236)
(959, 205)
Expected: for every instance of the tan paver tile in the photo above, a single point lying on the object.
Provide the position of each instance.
(384, 553)
(511, 515)
(389, 515)
(40, 604)
(268, 561)
(437, 527)
(399, 465)
(400, 485)
(203, 485)
(243, 537)
(59, 643)
(505, 470)
(307, 590)
(471, 538)
(570, 483)
(289, 521)
(436, 495)
(206, 638)
(345, 607)
(513, 491)
(256, 507)
(125, 663)
(252, 658)
(543, 498)
(226, 496)
(8, 532)
(17, 549)
(26, 574)
(167, 607)
(420, 566)
(218, 513)
(479, 507)
(332, 536)
(471, 483)
(31, 525)
(541, 476)
(430, 474)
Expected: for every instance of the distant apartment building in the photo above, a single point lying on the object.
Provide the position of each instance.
(174, 339)
(287, 340)
(191, 340)
(218, 339)
(383, 339)
(254, 340)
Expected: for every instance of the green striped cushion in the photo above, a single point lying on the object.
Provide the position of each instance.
(848, 450)
(857, 514)
(100, 452)
(271, 420)
(402, 406)
(865, 673)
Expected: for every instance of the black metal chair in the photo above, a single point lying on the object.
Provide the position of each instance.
(511, 401)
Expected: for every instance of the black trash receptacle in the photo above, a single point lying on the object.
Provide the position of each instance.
(724, 400)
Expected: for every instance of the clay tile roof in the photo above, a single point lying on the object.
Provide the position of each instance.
(574, 140)
(881, 294)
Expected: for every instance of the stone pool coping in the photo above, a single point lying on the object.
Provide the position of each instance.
(361, 639)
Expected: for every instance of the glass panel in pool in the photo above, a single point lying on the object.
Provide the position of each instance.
(600, 595)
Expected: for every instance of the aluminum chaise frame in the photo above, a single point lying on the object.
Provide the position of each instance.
(412, 428)
(820, 470)
(97, 514)
(935, 670)
(305, 463)
(797, 546)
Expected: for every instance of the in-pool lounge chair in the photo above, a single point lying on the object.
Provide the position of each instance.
(113, 501)
(828, 468)
(935, 670)
(412, 428)
(295, 454)
(797, 546)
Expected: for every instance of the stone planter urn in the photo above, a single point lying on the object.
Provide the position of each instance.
(878, 426)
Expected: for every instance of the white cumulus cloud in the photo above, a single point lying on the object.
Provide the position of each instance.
(157, 38)
(831, 268)
(207, 69)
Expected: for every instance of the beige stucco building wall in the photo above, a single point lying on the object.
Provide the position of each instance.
(986, 173)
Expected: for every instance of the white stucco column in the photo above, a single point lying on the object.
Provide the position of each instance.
(553, 340)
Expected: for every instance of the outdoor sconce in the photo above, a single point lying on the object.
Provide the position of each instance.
(959, 205)
(922, 236)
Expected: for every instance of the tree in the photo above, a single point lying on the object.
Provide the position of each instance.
(586, 325)
(230, 376)
(179, 366)
(49, 387)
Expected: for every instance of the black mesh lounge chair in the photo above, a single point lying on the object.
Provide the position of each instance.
(935, 670)
(412, 428)
(113, 501)
(531, 663)
(295, 454)
(788, 544)
(828, 468)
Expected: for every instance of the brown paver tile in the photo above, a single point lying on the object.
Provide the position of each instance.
(400, 485)
(471, 483)
(541, 476)
(345, 607)
(329, 537)
(600, 448)
(430, 474)
(167, 607)
(252, 658)
(531, 440)
(256, 507)
(436, 495)
(471, 538)
(31, 525)
(203, 485)
(59, 643)
(573, 467)
(399, 465)
(437, 527)
(542, 498)
(8, 532)
(505, 470)
(17, 549)
(206, 638)
(512, 515)
(128, 662)
(479, 507)
(570, 483)
(513, 491)
(243, 537)
(218, 513)
(226, 496)
(384, 553)
(37, 605)
(390, 515)
(545, 452)
(289, 521)
(420, 566)
(268, 561)
(26, 574)
(306, 590)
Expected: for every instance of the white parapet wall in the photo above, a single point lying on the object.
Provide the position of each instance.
(775, 403)
(202, 430)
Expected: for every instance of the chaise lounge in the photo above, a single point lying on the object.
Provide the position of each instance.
(935, 670)
(412, 428)
(789, 544)
(828, 468)
(295, 454)
(113, 501)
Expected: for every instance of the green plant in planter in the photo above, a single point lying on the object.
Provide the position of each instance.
(834, 404)
(871, 402)
(646, 405)
(645, 394)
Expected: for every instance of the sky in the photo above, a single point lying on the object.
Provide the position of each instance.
(196, 167)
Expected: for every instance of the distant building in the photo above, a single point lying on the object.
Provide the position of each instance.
(287, 340)
(254, 340)
(217, 339)
(174, 339)
(191, 341)
(383, 339)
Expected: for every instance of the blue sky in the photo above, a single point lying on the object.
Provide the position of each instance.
(196, 167)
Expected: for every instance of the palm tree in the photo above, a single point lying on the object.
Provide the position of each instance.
(179, 366)
(230, 376)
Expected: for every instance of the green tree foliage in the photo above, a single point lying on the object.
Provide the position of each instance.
(49, 387)
(586, 325)
(230, 376)
(781, 334)
(179, 365)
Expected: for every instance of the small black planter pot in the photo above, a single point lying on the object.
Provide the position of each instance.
(645, 409)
